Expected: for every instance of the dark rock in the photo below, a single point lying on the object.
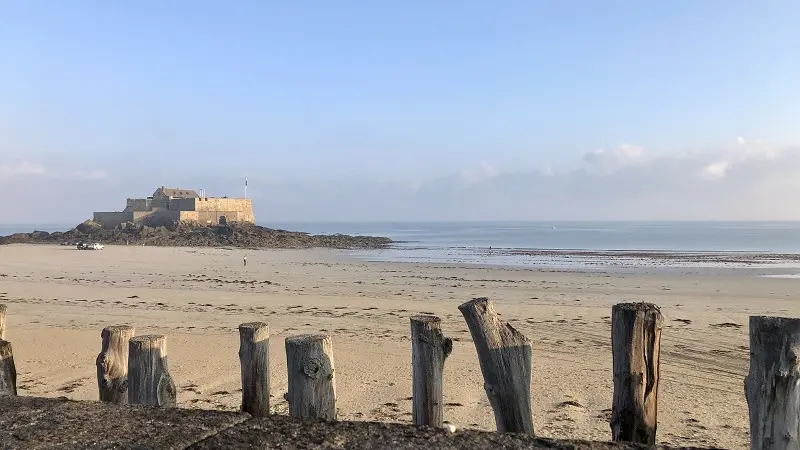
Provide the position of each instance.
(242, 235)
(89, 226)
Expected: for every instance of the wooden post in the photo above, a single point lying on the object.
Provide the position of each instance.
(8, 372)
(312, 386)
(3, 310)
(112, 364)
(429, 349)
(635, 346)
(505, 358)
(772, 386)
(149, 381)
(254, 359)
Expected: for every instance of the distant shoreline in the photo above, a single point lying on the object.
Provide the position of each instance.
(733, 242)
(579, 258)
(647, 251)
(732, 256)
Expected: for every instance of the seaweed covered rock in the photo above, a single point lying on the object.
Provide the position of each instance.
(244, 235)
(88, 226)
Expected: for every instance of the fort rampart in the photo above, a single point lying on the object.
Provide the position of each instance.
(169, 205)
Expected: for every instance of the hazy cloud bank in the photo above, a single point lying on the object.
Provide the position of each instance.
(748, 181)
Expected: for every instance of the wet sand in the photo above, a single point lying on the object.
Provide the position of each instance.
(59, 299)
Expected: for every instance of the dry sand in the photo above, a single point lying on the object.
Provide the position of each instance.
(59, 299)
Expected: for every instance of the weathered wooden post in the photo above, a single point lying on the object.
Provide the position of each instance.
(429, 349)
(254, 360)
(635, 346)
(8, 371)
(772, 386)
(149, 381)
(505, 360)
(112, 364)
(312, 385)
(3, 310)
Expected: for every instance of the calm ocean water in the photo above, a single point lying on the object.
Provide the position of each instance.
(771, 237)
(470, 243)
(6, 229)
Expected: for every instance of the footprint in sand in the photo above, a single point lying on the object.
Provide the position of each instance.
(725, 325)
(71, 386)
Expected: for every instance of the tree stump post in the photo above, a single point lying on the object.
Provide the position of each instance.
(8, 371)
(635, 346)
(149, 381)
(772, 386)
(312, 385)
(254, 360)
(112, 364)
(429, 349)
(3, 310)
(505, 359)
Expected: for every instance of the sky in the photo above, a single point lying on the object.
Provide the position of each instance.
(414, 110)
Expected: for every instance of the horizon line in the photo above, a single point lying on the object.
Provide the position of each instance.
(498, 221)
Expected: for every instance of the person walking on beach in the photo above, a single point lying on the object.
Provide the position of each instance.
(245, 260)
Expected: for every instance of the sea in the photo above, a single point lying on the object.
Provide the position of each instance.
(584, 245)
(561, 244)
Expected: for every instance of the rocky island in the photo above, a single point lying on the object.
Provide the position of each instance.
(180, 234)
(180, 217)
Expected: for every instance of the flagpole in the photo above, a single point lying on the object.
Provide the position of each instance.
(245, 188)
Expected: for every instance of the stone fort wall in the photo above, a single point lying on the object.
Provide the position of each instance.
(206, 211)
(234, 210)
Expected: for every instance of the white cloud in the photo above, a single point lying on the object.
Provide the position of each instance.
(749, 153)
(716, 171)
(754, 148)
(86, 175)
(23, 168)
(20, 169)
(483, 173)
(604, 160)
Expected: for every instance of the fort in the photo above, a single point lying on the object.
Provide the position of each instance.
(171, 205)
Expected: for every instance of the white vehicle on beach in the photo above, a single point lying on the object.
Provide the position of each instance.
(90, 246)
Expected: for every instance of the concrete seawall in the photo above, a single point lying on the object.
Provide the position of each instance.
(40, 423)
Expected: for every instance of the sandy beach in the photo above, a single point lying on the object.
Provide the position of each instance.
(59, 299)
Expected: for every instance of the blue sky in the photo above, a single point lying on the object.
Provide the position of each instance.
(119, 96)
